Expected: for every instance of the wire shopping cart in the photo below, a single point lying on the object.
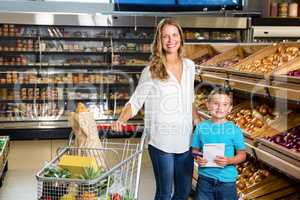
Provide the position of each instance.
(119, 181)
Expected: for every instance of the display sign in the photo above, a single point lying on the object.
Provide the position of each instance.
(177, 5)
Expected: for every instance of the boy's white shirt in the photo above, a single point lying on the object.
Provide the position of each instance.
(168, 108)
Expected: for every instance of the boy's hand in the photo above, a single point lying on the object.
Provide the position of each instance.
(198, 158)
(201, 162)
(222, 161)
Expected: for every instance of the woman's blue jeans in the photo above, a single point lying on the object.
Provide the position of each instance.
(172, 168)
(212, 189)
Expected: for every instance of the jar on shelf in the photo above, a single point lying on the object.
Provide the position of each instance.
(283, 8)
(293, 9)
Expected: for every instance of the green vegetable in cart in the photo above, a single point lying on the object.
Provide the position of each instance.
(90, 173)
(128, 195)
(56, 172)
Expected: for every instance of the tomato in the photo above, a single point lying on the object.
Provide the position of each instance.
(116, 196)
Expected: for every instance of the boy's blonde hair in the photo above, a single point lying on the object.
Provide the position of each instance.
(221, 90)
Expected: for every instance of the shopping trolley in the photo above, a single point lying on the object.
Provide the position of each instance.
(118, 181)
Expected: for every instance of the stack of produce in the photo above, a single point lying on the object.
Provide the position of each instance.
(273, 61)
(295, 73)
(250, 175)
(228, 62)
(202, 59)
(289, 139)
(253, 120)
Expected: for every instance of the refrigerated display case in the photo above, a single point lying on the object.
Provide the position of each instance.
(46, 69)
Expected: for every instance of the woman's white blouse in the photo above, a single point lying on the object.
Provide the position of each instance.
(168, 108)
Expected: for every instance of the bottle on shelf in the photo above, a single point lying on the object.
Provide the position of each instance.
(293, 8)
(283, 8)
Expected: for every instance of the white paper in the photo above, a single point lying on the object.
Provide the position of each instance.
(211, 151)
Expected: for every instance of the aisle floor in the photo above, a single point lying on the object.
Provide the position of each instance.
(27, 157)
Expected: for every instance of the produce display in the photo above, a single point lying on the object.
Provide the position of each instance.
(228, 62)
(202, 59)
(200, 99)
(289, 139)
(295, 73)
(253, 120)
(250, 174)
(271, 62)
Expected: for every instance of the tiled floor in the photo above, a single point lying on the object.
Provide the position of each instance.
(27, 157)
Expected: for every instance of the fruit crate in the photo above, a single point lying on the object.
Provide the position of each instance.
(240, 113)
(232, 57)
(279, 151)
(275, 187)
(252, 64)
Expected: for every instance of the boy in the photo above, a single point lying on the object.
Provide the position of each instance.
(218, 183)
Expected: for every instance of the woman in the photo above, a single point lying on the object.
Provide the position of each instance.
(167, 89)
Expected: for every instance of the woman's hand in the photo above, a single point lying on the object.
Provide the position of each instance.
(117, 126)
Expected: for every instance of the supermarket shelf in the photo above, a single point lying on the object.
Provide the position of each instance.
(5, 38)
(127, 68)
(281, 87)
(196, 41)
(279, 151)
(16, 53)
(62, 85)
(277, 163)
(48, 124)
(53, 100)
(275, 21)
(133, 40)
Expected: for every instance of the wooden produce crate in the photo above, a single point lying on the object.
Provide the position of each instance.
(250, 133)
(280, 194)
(278, 163)
(252, 64)
(279, 151)
(268, 187)
(232, 56)
(198, 52)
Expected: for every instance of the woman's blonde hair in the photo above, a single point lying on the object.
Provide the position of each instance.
(157, 67)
